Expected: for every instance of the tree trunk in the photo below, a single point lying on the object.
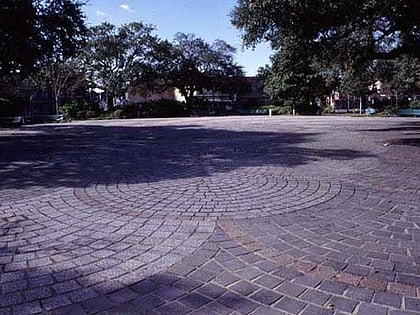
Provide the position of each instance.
(56, 103)
(110, 100)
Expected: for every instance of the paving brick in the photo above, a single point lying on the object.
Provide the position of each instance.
(55, 302)
(194, 300)
(290, 289)
(312, 310)
(307, 281)
(343, 304)
(361, 294)
(148, 302)
(333, 287)
(412, 304)
(388, 299)
(194, 208)
(265, 296)
(244, 287)
(268, 281)
(173, 308)
(10, 299)
(370, 309)
(315, 297)
(290, 305)
(28, 308)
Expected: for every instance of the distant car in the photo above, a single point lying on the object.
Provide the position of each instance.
(370, 111)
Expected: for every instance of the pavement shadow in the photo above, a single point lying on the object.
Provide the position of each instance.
(406, 134)
(81, 155)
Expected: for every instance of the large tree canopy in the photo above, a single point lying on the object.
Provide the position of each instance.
(316, 39)
(191, 64)
(375, 29)
(35, 31)
(34, 34)
(116, 58)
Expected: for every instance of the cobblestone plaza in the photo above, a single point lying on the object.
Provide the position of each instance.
(224, 215)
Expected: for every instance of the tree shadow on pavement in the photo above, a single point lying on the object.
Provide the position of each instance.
(80, 155)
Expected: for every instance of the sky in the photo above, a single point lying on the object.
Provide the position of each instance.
(208, 19)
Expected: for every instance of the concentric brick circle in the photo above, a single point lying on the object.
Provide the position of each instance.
(244, 193)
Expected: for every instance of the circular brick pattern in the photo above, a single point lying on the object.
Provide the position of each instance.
(316, 215)
(252, 192)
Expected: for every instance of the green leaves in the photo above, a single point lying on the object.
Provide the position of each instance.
(118, 57)
(322, 43)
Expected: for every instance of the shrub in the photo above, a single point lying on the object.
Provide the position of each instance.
(85, 114)
(328, 109)
(284, 110)
(164, 108)
(118, 114)
(74, 109)
(414, 104)
(6, 107)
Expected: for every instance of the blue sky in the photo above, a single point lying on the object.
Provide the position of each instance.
(208, 19)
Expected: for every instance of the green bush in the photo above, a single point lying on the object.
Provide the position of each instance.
(12, 107)
(118, 114)
(328, 109)
(284, 110)
(74, 109)
(414, 104)
(279, 110)
(6, 107)
(163, 108)
(86, 114)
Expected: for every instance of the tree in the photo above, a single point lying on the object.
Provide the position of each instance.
(191, 65)
(36, 33)
(18, 36)
(119, 57)
(60, 77)
(343, 36)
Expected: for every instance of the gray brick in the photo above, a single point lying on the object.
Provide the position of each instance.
(10, 287)
(307, 281)
(265, 296)
(370, 309)
(268, 281)
(123, 295)
(10, 299)
(211, 290)
(286, 273)
(412, 304)
(343, 304)
(315, 297)
(194, 300)
(173, 308)
(388, 299)
(290, 305)
(360, 294)
(28, 308)
(290, 289)
(55, 302)
(169, 293)
(65, 287)
(316, 310)
(98, 304)
(244, 287)
(333, 287)
(148, 302)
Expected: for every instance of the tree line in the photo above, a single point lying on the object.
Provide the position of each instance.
(325, 45)
(319, 46)
(46, 45)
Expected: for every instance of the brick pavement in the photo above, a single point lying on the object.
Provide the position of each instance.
(230, 215)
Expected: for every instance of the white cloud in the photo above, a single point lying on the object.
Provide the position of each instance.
(126, 7)
(100, 13)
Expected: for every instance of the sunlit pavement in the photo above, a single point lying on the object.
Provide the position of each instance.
(229, 215)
